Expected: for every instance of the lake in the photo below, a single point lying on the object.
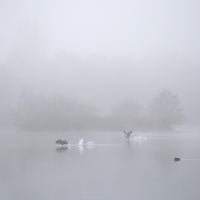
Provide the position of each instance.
(34, 167)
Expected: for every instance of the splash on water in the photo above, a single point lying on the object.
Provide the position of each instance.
(90, 143)
(136, 138)
(81, 142)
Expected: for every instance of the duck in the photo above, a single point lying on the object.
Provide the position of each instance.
(177, 159)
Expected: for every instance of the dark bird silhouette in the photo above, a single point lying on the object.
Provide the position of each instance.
(127, 135)
(58, 141)
(62, 142)
(176, 159)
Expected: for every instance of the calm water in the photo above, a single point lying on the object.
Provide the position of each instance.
(33, 167)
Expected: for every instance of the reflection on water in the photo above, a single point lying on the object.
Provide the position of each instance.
(90, 147)
(81, 149)
(33, 167)
(60, 149)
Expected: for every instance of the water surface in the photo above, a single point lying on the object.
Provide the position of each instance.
(33, 167)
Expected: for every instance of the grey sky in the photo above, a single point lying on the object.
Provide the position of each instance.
(123, 28)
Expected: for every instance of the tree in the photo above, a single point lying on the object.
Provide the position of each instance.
(165, 110)
(51, 112)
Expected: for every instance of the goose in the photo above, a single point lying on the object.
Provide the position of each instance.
(127, 135)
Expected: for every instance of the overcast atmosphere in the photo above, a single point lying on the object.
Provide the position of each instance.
(101, 52)
(99, 99)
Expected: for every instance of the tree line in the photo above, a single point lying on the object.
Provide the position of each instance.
(57, 112)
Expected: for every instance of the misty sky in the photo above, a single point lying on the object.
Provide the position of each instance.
(103, 51)
(123, 28)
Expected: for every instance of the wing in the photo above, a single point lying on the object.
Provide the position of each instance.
(130, 132)
(125, 132)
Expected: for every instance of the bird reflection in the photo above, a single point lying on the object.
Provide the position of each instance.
(90, 147)
(127, 142)
(81, 149)
(61, 149)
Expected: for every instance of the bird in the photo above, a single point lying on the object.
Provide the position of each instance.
(58, 141)
(127, 135)
(81, 142)
(62, 142)
(176, 159)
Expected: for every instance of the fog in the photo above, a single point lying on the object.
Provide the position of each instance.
(101, 52)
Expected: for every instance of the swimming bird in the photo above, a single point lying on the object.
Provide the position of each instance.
(127, 135)
(58, 141)
(62, 142)
(176, 159)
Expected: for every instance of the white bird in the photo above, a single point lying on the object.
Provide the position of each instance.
(81, 142)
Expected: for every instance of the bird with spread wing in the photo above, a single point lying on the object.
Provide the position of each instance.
(128, 134)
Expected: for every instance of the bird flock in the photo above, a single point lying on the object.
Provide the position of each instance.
(80, 143)
(90, 143)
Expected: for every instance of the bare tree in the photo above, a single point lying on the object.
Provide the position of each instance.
(165, 110)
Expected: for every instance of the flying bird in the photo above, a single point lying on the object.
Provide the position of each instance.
(127, 135)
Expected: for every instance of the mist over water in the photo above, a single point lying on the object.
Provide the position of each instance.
(91, 70)
(101, 52)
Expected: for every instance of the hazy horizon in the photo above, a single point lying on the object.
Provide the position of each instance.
(101, 52)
